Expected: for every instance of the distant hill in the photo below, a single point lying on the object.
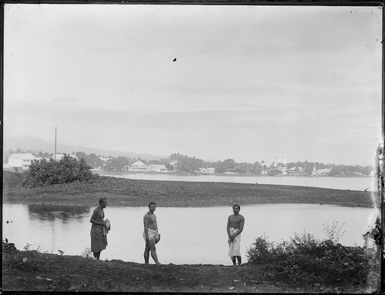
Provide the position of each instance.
(36, 144)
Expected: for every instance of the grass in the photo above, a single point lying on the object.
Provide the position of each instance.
(128, 192)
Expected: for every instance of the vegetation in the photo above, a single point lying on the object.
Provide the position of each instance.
(91, 160)
(347, 170)
(306, 260)
(67, 170)
(186, 165)
(35, 271)
(117, 164)
(129, 192)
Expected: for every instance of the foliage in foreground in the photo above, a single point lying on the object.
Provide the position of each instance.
(67, 170)
(305, 260)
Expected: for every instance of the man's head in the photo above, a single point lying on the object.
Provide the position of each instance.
(152, 207)
(236, 208)
(103, 202)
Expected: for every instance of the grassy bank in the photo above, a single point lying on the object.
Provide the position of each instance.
(128, 192)
(34, 271)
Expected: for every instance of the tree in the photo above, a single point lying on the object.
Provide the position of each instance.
(228, 165)
(117, 164)
(67, 170)
(274, 171)
(257, 168)
(92, 159)
(187, 164)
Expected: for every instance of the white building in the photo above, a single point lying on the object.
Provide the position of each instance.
(174, 165)
(323, 172)
(60, 156)
(314, 171)
(105, 159)
(206, 170)
(296, 171)
(278, 162)
(138, 166)
(104, 164)
(21, 161)
(157, 168)
(283, 170)
(264, 168)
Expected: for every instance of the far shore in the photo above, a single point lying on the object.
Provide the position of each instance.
(138, 193)
(119, 173)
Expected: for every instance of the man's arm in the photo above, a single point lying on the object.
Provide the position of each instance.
(93, 218)
(241, 226)
(145, 222)
(155, 222)
(228, 227)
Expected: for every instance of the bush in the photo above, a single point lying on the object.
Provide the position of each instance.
(306, 260)
(67, 170)
(334, 231)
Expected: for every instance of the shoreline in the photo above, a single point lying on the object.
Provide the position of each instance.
(34, 271)
(117, 173)
(138, 193)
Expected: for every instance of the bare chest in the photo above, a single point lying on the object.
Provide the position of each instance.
(235, 221)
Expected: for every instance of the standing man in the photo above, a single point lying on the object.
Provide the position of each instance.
(99, 229)
(151, 234)
(235, 225)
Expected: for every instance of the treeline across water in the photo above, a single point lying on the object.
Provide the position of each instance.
(190, 165)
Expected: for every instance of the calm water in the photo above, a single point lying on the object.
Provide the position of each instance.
(351, 183)
(189, 235)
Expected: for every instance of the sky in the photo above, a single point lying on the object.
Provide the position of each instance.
(249, 83)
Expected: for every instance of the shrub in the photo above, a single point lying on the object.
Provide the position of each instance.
(334, 231)
(305, 259)
(67, 170)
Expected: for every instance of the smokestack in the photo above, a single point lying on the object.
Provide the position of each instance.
(55, 140)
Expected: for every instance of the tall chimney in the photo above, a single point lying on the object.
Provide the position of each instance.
(55, 140)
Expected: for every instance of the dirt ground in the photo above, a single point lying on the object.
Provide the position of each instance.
(34, 271)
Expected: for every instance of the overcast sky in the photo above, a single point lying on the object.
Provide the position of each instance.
(250, 83)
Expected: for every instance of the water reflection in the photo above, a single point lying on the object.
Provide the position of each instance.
(52, 212)
(189, 235)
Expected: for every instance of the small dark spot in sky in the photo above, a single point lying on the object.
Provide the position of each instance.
(174, 60)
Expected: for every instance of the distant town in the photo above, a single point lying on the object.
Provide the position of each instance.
(19, 161)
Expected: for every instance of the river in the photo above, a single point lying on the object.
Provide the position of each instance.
(188, 235)
(351, 183)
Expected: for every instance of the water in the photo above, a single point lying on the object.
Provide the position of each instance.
(350, 183)
(188, 235)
